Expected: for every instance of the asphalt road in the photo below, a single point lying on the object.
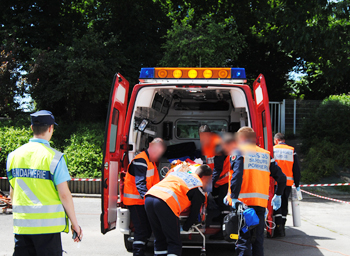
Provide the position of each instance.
(325, 230)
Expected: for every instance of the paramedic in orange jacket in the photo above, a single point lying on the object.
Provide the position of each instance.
(249, 184)
(165, 201)
(142, 174)
(287, 159)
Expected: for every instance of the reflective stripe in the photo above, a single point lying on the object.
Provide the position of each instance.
(139, 242)
(253, 195)
(28, 191)
(141, 164)
(132, 196)
(161, 252)
(190, 180)
(172, 254)
(224, 176)
(39, 222)
(170, 192)
(277, 215)
(272, 160)
(38, 208)
(290, 178)
(150, 173)
(201, 190)
(284, 217)
(56, 159)
(210, 160)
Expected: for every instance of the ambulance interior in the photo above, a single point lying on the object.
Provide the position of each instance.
(175, 114)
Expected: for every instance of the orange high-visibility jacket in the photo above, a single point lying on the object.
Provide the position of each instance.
(256, 177)
(284, 156)
(224, 176)
(209, 151)
(173, 190)
(131, 194)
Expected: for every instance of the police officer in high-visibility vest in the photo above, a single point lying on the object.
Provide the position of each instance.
(288, 160)
(165, 201)
(142, 174)
(42, 202)
(249, 184)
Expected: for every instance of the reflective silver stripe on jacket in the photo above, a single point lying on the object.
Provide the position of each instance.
(56, 159)
(150, 173)
(39, 222)
(290, 178)
(222, 177)
(253, 195)
(210, 160)
(141, 164)
(170, 192)
(132, 196)
(29, 193)
(38, 208)
(161, 252)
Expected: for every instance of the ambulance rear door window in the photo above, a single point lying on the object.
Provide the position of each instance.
(113, 131)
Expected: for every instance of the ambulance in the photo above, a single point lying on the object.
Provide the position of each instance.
(172, 103)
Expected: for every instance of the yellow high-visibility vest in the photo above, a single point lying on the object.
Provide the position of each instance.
(37, 208)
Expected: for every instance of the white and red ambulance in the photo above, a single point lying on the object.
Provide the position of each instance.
(172, 103)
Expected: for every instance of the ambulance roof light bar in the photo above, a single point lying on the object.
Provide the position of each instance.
(193, 75)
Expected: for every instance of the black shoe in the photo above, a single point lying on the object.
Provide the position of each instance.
(217, 236)
(279, 231)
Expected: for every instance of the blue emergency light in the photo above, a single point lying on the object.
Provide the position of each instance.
(193, 73)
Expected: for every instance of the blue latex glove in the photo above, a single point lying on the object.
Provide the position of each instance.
(226, 201)
(276, 202)
(234, 201)
(298, 189)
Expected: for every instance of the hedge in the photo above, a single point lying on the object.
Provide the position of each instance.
(82, 143)
(326, 140)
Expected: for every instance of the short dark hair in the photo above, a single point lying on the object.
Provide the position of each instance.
(279, 136)
(204, 170)
(229, 137)
(39, 130)
(204, 128)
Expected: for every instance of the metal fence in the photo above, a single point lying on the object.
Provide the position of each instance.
(288, 116)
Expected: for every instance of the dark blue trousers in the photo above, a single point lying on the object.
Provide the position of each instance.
(38, 245)
(142, 228)
(165, 226)
(245, 247)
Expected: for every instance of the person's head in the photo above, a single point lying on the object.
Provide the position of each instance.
(204, 134)
(156, 149)
(229, 143)
(246, 135)
(205, 173)
(279, 137)
(42, 124)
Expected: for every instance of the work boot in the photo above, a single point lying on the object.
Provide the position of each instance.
(279, 231)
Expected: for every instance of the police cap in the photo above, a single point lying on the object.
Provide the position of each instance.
(42, 118)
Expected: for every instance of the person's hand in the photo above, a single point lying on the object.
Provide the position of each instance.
(234, 201)
(226, 202)
(79, 232)
(276, 202)
(298, 189)
(299, 195)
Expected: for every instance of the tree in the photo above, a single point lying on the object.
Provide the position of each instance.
(74, 81)
(12, 84)
(206, 43)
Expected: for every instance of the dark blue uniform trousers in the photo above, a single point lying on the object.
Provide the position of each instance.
(244, 245)
(165, 226)
(38, 245)
(142, 228)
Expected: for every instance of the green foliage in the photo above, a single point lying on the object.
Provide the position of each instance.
(77, 77)
(206, 43)
(326, 140)
(84, 151)
(82, 142)
(10, 139)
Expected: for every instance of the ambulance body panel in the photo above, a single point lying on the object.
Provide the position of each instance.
(173, 109)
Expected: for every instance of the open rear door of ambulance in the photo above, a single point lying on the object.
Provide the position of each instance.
(264, 131)
(113, 151)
